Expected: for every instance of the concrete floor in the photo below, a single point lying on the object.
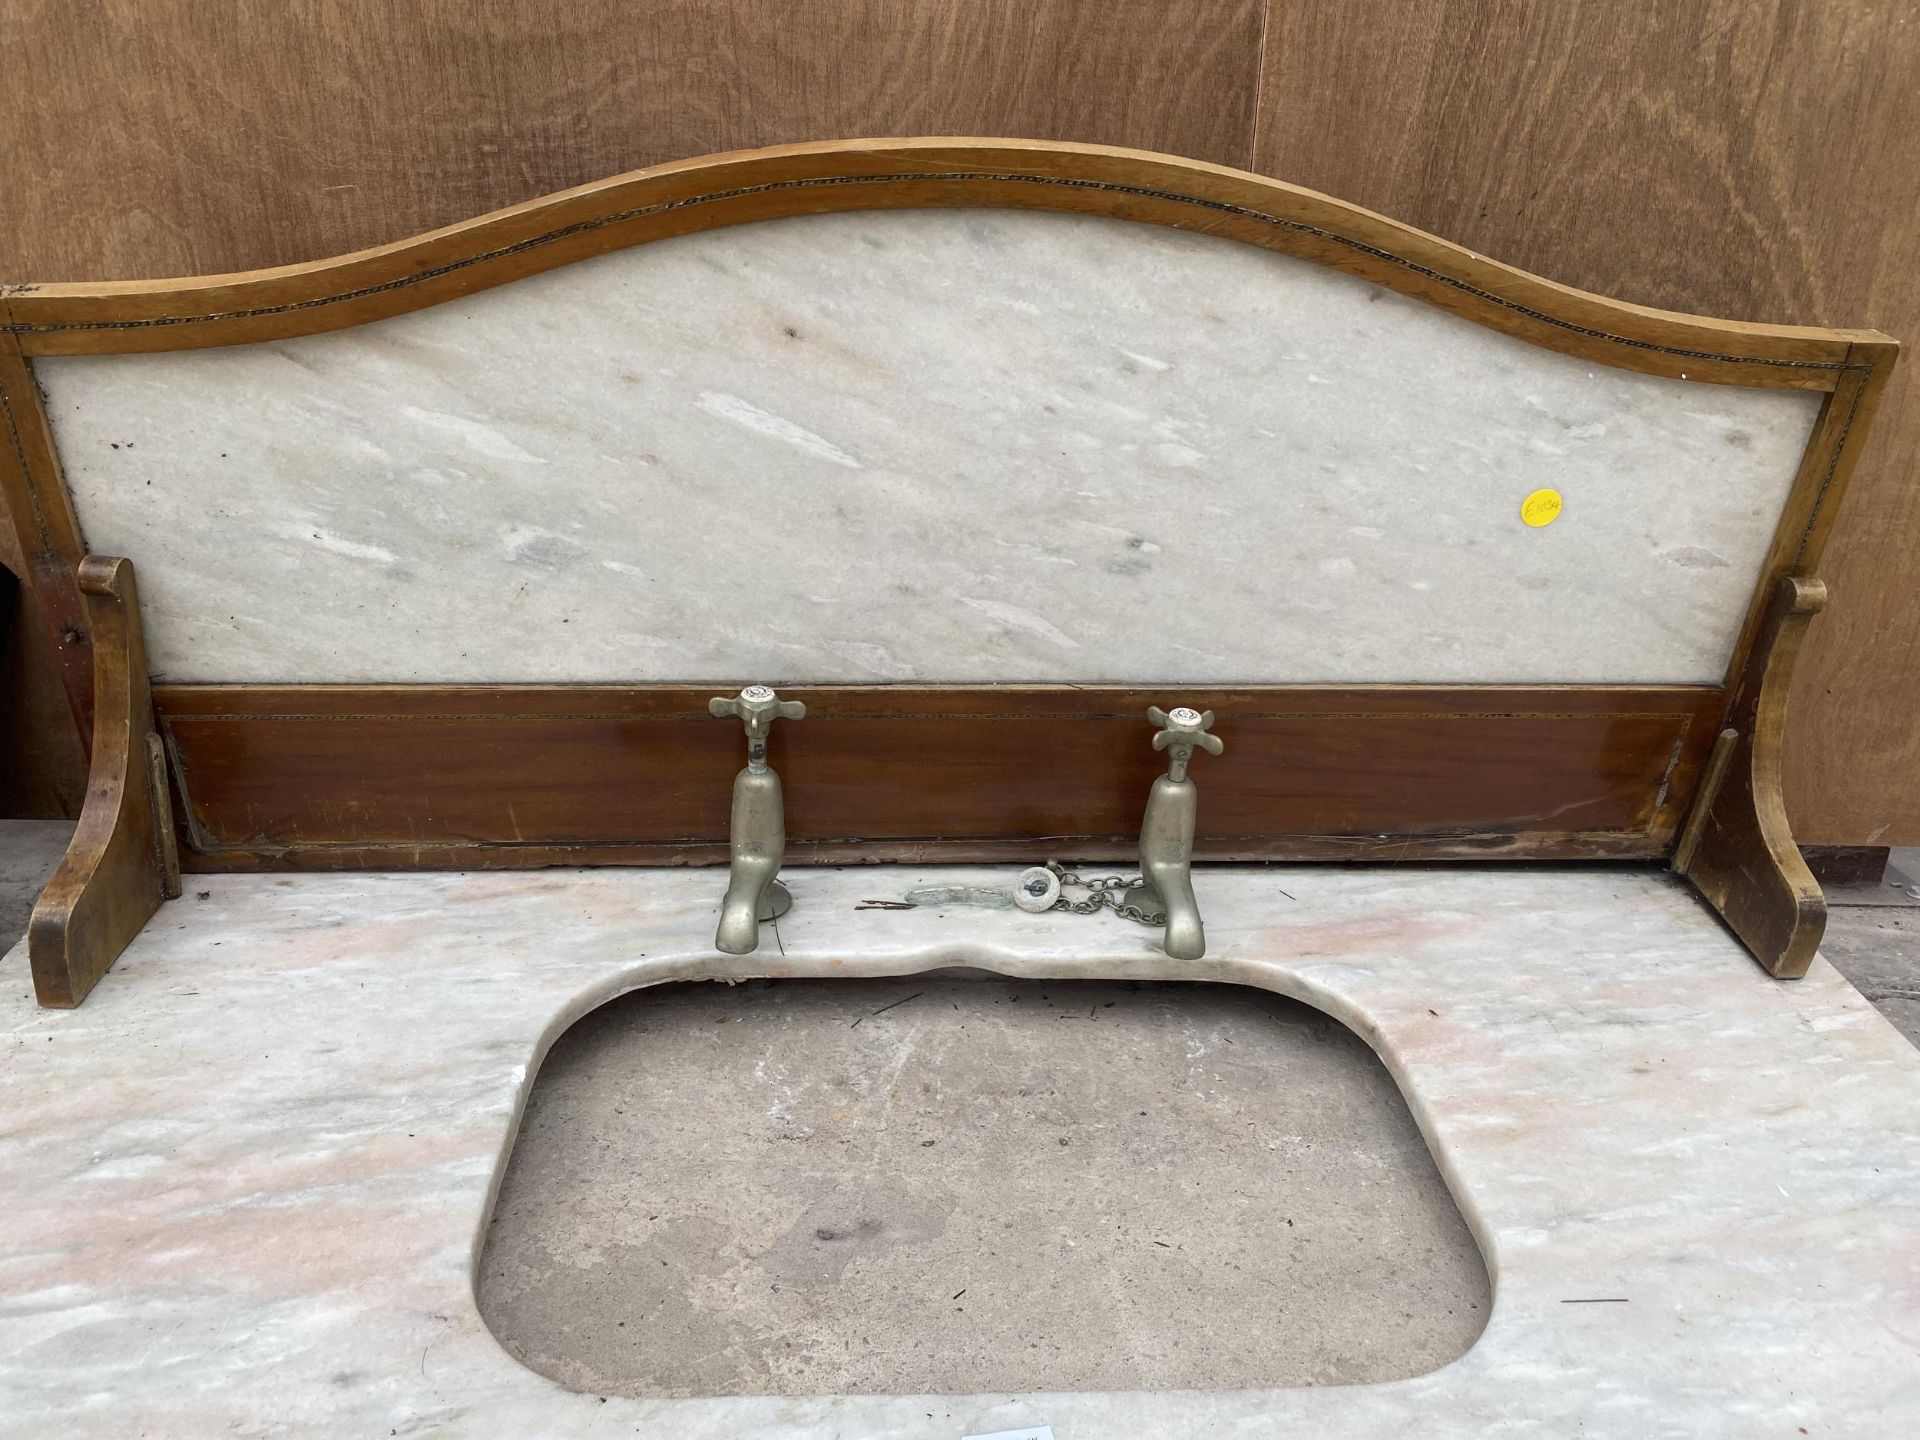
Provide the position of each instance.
(964, 1183)
(29, 850)
(960, 1183)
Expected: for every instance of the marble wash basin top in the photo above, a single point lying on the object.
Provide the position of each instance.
(245, 1185)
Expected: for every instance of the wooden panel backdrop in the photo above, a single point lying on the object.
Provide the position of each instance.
(1738, 157)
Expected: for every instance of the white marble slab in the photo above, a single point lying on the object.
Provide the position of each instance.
(928, 446)
(246, 1182)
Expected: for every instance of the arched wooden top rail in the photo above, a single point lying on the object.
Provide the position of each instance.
(731, 189)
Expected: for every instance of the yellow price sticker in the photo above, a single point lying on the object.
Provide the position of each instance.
(1542, 507)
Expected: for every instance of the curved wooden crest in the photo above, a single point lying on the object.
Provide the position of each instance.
(732, 189)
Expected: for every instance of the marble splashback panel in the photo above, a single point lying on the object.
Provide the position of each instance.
(925, 446)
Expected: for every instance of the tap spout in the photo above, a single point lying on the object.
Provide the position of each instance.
(1166, 832)
(759, 843)
(1166, 863)
(758, 834)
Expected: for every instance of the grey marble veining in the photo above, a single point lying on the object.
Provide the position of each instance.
(961, 446)
(245, 1184)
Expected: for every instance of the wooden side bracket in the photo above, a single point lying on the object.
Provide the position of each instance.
(122, 862)
(1735, 846)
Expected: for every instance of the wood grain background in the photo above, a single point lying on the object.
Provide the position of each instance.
(1758, 159)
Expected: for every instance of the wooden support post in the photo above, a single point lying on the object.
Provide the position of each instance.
(1735, 845)
(122, 862)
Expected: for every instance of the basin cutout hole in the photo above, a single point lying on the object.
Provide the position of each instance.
(959, 1183)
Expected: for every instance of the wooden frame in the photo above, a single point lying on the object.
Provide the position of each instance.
(441, 777)
(1626, 761)
(1737, 847)
(123, 861)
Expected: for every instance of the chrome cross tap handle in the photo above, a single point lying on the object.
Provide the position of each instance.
(1180, 730)
(1166, 832)
(758, 707)
(758, 833)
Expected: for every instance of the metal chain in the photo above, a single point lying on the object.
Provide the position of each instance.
(1104, 892)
